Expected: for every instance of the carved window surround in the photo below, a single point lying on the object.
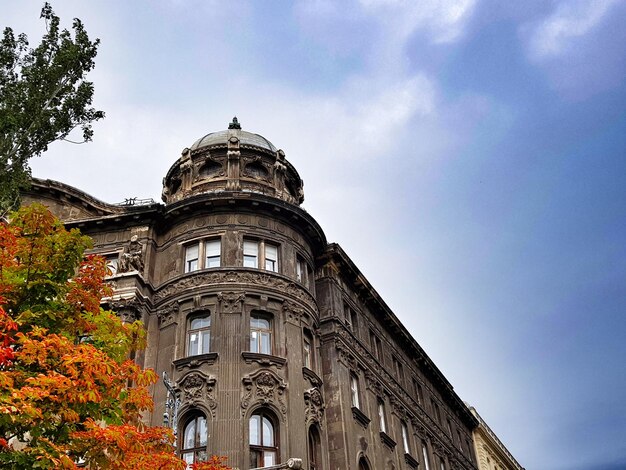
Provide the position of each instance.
(311, 376)
(387, 440)
(412, 462)
(192, 362)
(263, 359)
(360, 417)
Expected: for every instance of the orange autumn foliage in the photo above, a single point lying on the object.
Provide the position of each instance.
(68, 391)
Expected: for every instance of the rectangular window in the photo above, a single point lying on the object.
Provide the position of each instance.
(192, 253)
(250, 254)
(303, 273)
(199, 335)
(260, 334)
(354, 390)
(271, 257)
(354, 320)
(442, 464)
(306, 352)
(418, 391)
(212, 254)
(397, 365)
(376, 346)
(450, 429)
(381, 416)
(405, 439)
(425, 455)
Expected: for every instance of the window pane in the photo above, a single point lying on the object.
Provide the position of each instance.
(202, 431)
(405, 438)
(265, 343)
(255, 459)
(259, 323)
(200, 322)
(193, 343)
(190, 435)
(299, 271)
(381, 417)
(254, 430)
(191, 258)
(250, 254)
(271, 258)
(206, 341)
(212, 248)
(355, 391)
(268, 433)
(188, 457)
(112, 264)
(269, 458)
(254, 342)
(251, 248)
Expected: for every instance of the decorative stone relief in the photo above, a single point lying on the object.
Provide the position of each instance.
(264, 387)
(346, 357)
(373, 384)
(198, 389)
(132, 257)
(293, 313)
(314, 406)
(231, 302)
(270, 281)
(127, 309)
(347, 349)
(168, 315)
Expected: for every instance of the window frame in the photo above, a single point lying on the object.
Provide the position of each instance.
(382, 419)
(260, 448)
(425, 456)
(307, 350)
(200, 332)
(198, 447)
(261, 332)
(201, 259)
(259, 251)
(355, 398)
(404, 431)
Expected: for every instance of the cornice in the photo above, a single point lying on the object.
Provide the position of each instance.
(346, 269)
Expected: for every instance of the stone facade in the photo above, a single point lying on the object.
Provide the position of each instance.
(273, 343)
(491, 453)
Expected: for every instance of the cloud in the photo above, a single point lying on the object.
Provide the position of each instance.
(444, 20)
(571, 20)
(580, 46)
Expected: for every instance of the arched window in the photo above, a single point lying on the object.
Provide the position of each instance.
(199, 335)
(363, 464)
(194, 442)
(315, 450)
(260, 334)
(263, 440)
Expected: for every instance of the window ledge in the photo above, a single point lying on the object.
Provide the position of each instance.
(195, 361)
(387, 440)
(263, 359)
(311, 376)
(412, 462)
(360, 417)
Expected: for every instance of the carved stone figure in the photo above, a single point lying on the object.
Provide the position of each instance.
(132, 257)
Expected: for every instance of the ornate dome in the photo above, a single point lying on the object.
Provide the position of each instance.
(234, 129)
(232, 160)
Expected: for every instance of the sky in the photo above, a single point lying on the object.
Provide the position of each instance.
(468, 155)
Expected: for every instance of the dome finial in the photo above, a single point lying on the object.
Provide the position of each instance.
(235, 124)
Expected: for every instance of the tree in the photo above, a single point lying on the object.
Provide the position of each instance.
(43, 97)
(68, 391)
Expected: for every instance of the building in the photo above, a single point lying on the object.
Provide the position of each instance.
(273, 343)
(491, 453)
